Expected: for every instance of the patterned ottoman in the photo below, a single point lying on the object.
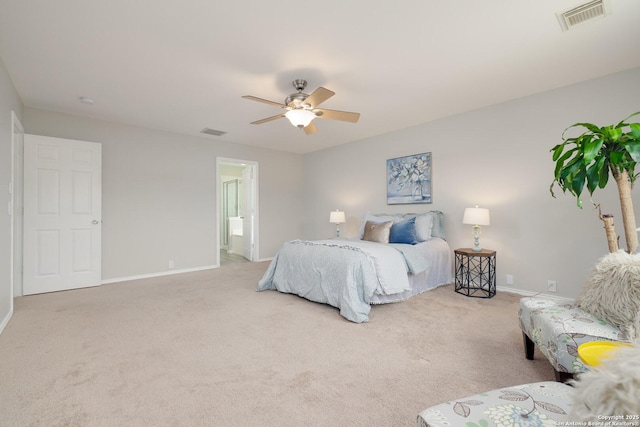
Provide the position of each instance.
(536, 404)
(558, 330)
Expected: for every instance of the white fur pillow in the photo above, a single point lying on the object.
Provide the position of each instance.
(610, 389)
(612, 292)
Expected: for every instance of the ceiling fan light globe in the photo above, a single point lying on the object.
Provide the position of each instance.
(300, 118)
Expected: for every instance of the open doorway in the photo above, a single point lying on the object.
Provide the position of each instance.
(237, 211)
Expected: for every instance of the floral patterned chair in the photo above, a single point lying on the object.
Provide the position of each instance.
(537, 404)
(558, 329)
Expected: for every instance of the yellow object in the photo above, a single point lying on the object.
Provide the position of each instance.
(593, 353)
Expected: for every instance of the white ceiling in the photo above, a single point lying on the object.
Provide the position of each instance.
(181, 66)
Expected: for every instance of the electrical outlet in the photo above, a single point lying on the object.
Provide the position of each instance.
(509, 279)
(552, 286)
(171, 264)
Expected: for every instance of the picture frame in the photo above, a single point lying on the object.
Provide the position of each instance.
(409, 179)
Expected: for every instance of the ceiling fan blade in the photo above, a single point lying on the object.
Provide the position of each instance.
(318, 96)
(268, 119)
(310, 128)
(344, 116)
(266, 101)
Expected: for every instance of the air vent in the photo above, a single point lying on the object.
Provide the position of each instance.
(583, 13)
(212, 132)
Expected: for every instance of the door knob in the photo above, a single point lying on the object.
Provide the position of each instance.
(95, 221)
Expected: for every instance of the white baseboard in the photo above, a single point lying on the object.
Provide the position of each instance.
(562, 300)
(5, 321)
(165, 273)
(160, 274)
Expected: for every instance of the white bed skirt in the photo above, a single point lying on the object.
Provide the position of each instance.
(440, 274)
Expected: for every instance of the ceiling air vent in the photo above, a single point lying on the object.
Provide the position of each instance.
(212, 132)
(586, 12)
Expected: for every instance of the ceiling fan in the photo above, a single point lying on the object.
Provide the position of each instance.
(302, 108)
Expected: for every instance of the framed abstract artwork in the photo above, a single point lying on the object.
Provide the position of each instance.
(409, 179)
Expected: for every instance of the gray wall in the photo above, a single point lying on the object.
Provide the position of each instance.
(9, 101)
(159, 193)
(497, 157)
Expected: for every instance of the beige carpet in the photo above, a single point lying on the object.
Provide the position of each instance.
(206, 349)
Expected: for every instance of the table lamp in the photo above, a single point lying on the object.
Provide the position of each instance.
(476, 217)
(337, 217)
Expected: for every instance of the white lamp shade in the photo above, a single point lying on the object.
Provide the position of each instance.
(337, 217)
(476, 216)
(300, 118)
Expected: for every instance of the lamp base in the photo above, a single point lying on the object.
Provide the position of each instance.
(476, 238)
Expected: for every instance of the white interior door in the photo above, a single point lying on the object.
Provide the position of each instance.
(248, 194)
(62, 214)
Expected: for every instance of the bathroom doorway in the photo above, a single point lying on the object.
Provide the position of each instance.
(237, 211)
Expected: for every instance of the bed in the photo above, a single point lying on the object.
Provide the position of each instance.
(394, 258)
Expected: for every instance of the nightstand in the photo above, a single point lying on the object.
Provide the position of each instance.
(475, 272)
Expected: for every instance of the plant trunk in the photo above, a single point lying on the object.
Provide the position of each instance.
(626, 205)
(610, 230)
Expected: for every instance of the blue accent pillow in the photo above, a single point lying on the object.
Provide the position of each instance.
(404, 232)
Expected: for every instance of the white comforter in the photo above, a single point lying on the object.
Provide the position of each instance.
(343, 273)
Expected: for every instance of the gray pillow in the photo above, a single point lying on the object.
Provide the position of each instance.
(377, 231)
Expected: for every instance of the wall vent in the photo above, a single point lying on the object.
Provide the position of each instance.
(212, 132)
(583, 13)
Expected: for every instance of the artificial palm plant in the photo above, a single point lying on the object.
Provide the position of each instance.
(589, 159)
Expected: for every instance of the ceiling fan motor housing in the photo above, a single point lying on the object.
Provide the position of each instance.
(295, 100)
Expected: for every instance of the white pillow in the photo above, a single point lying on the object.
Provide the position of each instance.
(424, 224)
